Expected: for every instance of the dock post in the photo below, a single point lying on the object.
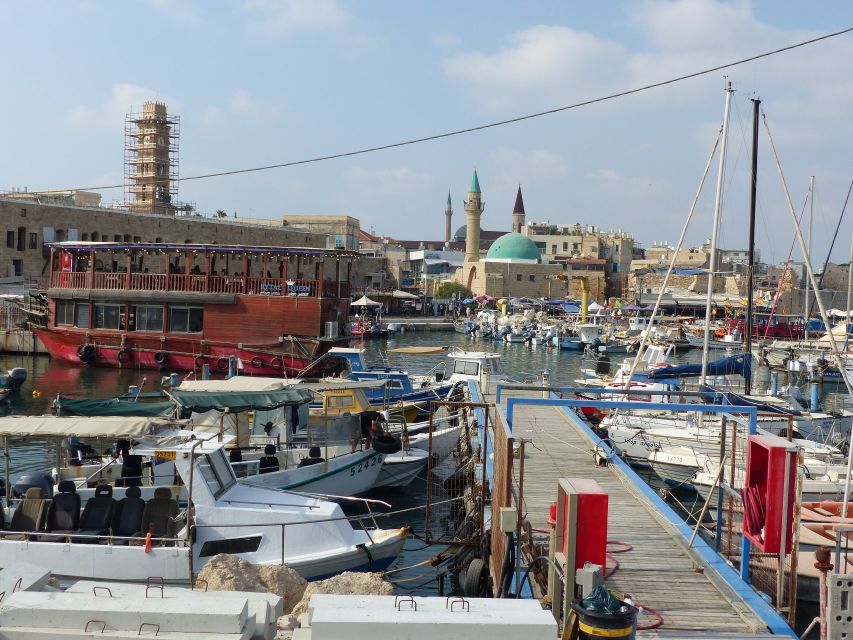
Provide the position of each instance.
(546, 382)
(174, 380)
(814, 380)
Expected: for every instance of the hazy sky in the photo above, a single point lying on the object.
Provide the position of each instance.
(260, 82)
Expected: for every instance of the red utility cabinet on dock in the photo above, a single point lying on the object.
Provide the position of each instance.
(768, 512)
(582, 521)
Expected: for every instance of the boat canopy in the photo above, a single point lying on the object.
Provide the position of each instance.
(237, 401)
(97, 427)
(236, 383)
(738, 400)
(736, 364)
(113, 407)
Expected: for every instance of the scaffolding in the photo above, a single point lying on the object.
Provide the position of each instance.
(151, 160)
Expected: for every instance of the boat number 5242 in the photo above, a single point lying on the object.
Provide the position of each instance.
(358, 468)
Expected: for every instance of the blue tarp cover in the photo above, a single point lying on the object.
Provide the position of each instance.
(740, 363)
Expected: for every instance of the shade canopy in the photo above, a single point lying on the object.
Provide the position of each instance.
(403, 294)
(236, 401)
(112, 407)
(364, 301)
(98, 427)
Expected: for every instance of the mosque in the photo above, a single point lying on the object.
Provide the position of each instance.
(513, 266)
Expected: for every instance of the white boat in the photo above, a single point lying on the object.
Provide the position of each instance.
(476, 365)
(348, 474)
(400, 469)
(310, 535)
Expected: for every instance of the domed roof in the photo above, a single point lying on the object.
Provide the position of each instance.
(462, 232)
(513, 246)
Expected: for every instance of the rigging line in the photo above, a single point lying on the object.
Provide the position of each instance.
(832, 244)
(490, 125)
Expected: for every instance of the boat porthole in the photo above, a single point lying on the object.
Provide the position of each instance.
(222, 364)
(160, 357)
(277, 363)
(199, 362)
(124, 356)
(257, 362)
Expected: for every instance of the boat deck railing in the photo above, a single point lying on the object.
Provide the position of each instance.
(202, 283)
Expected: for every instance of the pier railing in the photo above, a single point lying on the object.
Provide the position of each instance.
(118, 281)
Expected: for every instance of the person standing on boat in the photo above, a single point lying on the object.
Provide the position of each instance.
(371, 425)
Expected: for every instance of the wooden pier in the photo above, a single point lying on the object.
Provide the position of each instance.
(659, 571)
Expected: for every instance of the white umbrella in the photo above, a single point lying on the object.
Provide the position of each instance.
(364, 301)
(403, 294)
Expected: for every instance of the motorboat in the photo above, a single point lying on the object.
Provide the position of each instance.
(475, 365)
(131, 539)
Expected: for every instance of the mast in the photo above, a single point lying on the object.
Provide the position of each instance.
(809, 244)
(718, 204)
(750, 268)
(849, 293)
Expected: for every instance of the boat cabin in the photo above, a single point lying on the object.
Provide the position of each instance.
(475, 365)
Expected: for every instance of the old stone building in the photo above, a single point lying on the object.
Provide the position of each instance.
(27, 225)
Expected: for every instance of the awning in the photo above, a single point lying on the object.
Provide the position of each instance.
(236, 401)
(113, 407)
(364, 301)
(99, 427)
(403, 294)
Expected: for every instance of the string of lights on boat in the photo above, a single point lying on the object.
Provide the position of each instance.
(491, 125)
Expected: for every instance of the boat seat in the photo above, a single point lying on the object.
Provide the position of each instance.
(127, 515)
(29, 515)
(97, 514)
(63, 514)
(314, 457)
(131, 472)
(159, 516)
(269, 463)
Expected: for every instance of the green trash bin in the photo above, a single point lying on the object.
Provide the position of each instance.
(593, 625)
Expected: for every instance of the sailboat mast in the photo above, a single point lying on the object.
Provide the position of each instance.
(809, 243)
(718, 204)
(750, 268)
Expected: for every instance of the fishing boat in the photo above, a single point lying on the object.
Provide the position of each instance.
(400, 469)
(586, 334)
(180, 307)
(128, 540)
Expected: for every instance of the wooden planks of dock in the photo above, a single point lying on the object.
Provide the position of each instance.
(659, 571)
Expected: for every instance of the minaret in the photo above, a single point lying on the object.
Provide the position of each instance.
(518, 212)
(473, 210)
(448, 211)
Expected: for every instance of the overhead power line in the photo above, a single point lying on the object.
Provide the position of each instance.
(491, 125)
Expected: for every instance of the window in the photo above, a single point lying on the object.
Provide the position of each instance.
(466, 367)
(518, 277)
(338, 402)
(565, 246)
(95, 236)
(85, 237)
(82, 315)
(216, 472)
(108, 316)
(34, 241)
(592, 248)
(117, 237)
(553, 248)
(186, 319)
(230, 546)
(64, 312)
(18, 267)
(148, 317)
(10, 239)
(23, 213)
(532, 278)
(22, 236)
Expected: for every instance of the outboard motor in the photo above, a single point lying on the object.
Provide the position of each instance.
(34, 479)
(17, 377)
(602, 361)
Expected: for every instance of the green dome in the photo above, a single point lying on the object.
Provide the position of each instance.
(513, 246)
(462, 232)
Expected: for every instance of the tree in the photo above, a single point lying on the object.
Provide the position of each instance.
(221, 213)
(447, 289)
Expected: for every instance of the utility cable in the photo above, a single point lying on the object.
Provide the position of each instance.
(491, 125)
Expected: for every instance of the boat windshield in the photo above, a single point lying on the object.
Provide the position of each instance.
(466, 367)
(216, 472)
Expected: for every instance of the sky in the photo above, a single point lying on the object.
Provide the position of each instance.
(260, 82)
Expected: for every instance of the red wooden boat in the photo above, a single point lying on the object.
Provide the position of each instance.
(179, 307)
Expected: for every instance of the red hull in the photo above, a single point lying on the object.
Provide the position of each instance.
(181, 355)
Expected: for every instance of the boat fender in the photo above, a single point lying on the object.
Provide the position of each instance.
(86, 352)
(386, 444)
(363, 547)
(160, 357)
(124, 356)
(629, 348)
(277, 363)
(257, 362)
(199, 362)
(222, 364)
